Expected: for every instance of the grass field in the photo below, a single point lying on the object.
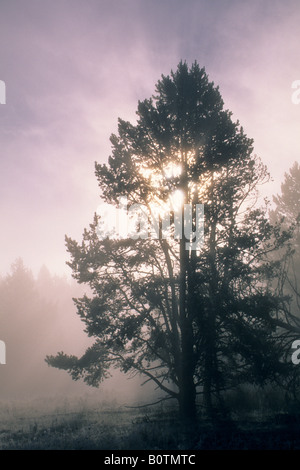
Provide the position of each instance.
(77, 425)
(69, 425)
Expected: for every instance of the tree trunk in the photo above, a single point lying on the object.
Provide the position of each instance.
(187, 400)
(187, 389)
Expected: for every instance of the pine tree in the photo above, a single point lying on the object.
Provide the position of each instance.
(288, 203)
(287, 215)
(192, 315)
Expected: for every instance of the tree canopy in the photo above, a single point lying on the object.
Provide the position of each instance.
(195, 321)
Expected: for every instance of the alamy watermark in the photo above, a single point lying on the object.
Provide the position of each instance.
(296, 93)
(138, 221)
(2, 353)
(2, 92)
(296, 354)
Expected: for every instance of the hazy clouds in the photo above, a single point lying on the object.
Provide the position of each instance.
(73, 67)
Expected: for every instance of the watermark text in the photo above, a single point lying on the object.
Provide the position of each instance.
(2, 353)
(296, 354)
(296, 93)
(2, 92)
(139, 221)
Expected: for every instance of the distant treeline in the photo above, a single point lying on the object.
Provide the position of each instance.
(37, 316)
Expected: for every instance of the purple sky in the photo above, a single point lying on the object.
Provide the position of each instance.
(72, 67)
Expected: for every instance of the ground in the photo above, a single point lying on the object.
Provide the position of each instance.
(68, 425)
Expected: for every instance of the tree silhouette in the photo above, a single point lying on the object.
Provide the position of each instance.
(288, 203)
(36, 316)
(194, 318)
(287, 216)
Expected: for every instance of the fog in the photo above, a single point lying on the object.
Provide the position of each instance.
(38, 318)
(70, 69)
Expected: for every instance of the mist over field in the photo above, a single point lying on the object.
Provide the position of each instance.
(38, 318)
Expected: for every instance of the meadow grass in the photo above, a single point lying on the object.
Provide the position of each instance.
(78, 424)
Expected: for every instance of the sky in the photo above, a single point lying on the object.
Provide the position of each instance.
(72, 67)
